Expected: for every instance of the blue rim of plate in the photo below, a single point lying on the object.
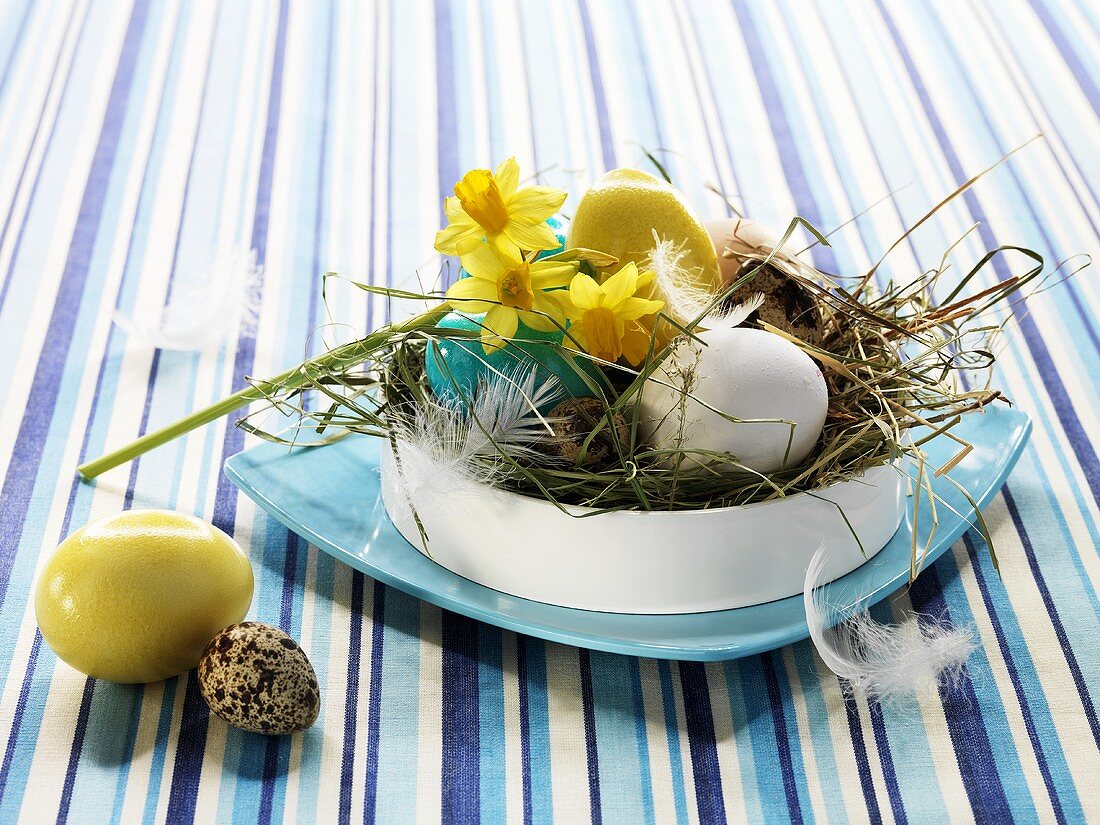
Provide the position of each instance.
(330, 495)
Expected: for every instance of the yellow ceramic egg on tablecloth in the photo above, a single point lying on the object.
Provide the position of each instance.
(136, 596)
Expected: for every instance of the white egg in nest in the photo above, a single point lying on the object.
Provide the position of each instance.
(746, 374)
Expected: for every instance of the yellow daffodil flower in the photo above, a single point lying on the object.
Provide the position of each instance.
(604, 318)
(491, 206)
(508, 289)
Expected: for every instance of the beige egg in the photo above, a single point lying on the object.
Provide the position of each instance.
(257, 678)
(738, 239)
(788, 304)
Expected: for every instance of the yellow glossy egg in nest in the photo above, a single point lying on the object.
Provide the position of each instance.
(621, 211)
(136, 596)
(626, 212)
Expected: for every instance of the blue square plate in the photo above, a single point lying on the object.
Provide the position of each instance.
(330, 496)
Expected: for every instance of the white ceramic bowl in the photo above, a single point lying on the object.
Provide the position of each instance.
(648, 562)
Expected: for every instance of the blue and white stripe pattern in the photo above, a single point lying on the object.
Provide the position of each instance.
(138, 137)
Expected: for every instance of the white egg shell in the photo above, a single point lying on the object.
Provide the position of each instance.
(747, 374)
(743, 237)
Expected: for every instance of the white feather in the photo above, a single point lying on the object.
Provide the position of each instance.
(883, 661)
(736, 316)
(446, 448)
(207, 305)
(685, 300)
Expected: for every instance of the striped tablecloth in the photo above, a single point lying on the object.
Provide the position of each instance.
(137, 140)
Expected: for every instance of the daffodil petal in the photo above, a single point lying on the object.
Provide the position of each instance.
(585, 293)
(532, 237)
(490, 342)
(557, 304)
(633, 308)
(503, 321)
(472, 295)
(547, 274)
(538, 321)
(469, 244)
(452, 207)
(535, 203)
(620, 286)
(447, 239)
(505, 246)
(481, 261)
(507, 175)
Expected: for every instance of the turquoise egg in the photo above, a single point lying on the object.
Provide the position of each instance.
(468, 363)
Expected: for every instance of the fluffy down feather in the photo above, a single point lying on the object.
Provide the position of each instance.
(883, 661)
(445, 448)
(207, 306)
